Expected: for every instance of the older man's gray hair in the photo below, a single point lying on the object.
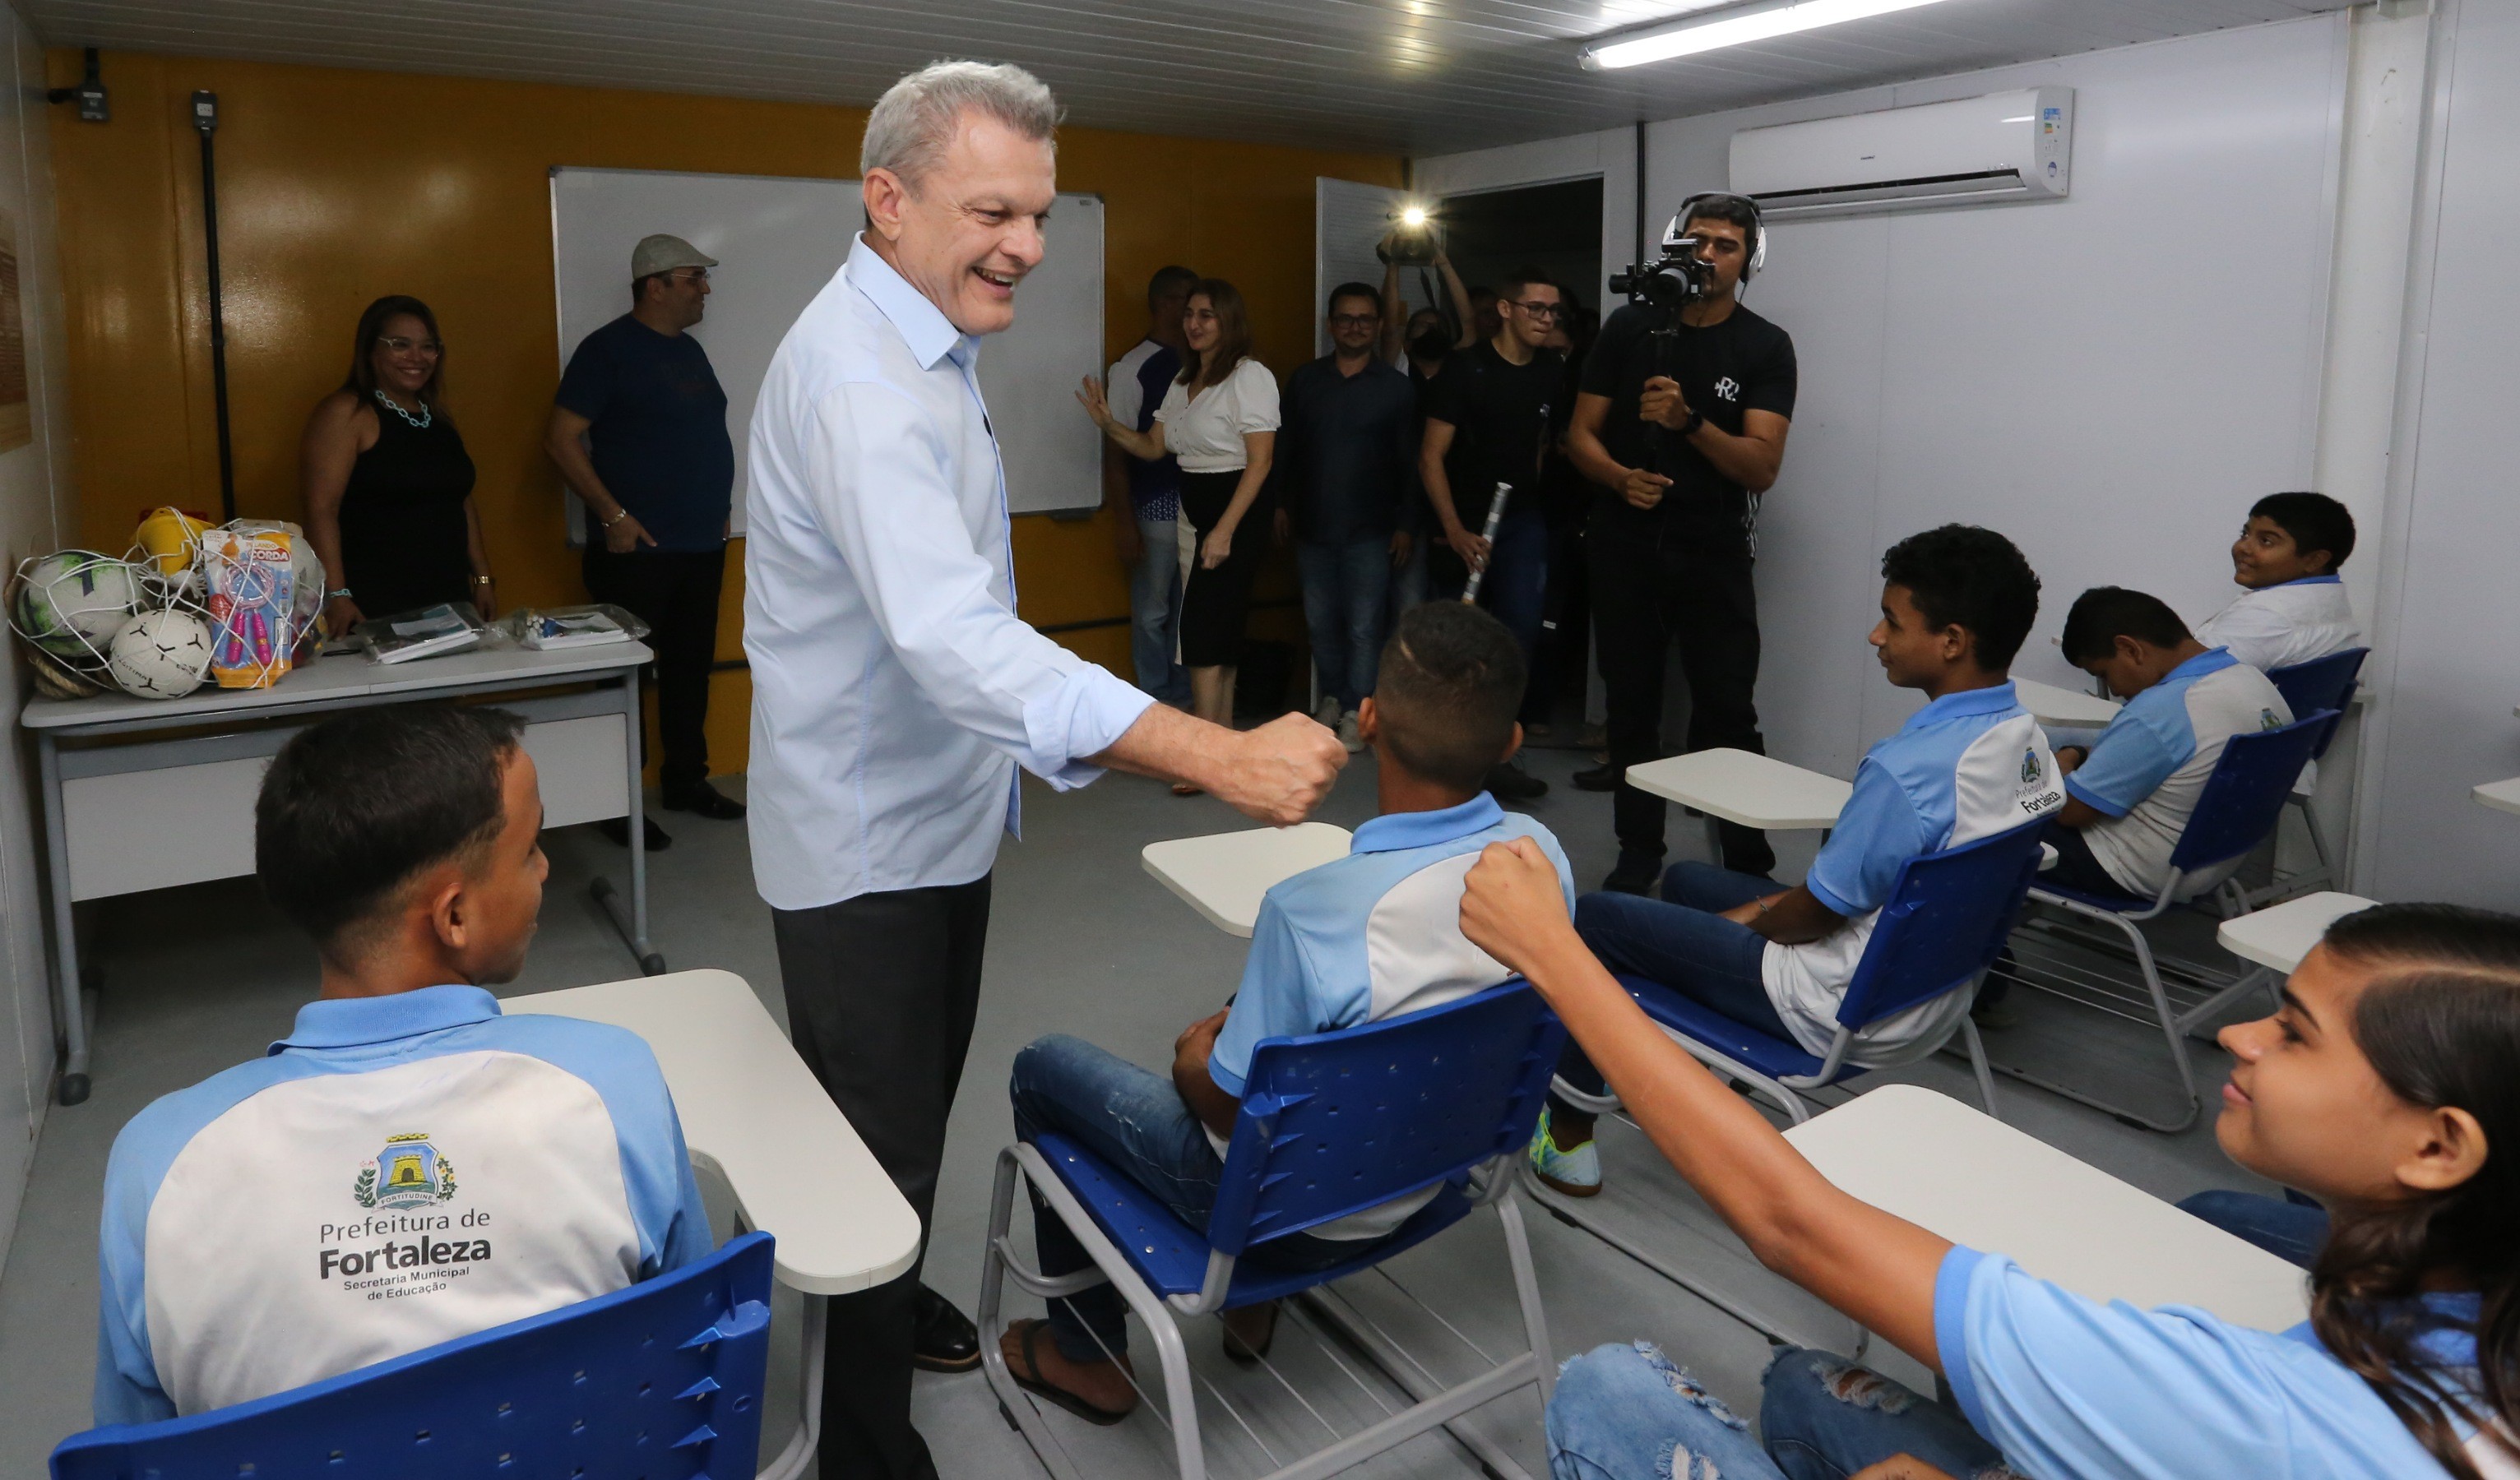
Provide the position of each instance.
(914, 121)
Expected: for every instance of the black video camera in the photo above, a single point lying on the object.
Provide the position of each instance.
(1679, 276)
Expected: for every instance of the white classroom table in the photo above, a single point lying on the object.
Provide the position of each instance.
(146, 793)
(1975, 1181)
(1738, 786)
(1224, 874)
(2052, 705)
(2501, 796)
(752, 1112)
(2279, 936)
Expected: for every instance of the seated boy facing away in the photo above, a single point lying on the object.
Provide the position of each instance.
(1365, 937)
(2295, 608)
(407, 1166)
(2129, 793)
(1956, 603)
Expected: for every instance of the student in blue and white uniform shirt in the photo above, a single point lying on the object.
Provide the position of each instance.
(1144, 497)
(407, 1166)
(2130, 794)
(2296, 608)
(1361, 938)
(896, 691)
(2382, 1087)
(1956, 603)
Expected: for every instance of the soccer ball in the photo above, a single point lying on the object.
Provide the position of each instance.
(72, 603)
(161, 654)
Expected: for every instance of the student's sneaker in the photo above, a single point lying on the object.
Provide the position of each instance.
(1511, 783)
(1328, 711)
(1576, 1173)
(1347, 733)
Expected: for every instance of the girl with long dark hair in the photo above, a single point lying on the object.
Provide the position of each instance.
(1220, 422)
(386, 482)
(2384, 1086)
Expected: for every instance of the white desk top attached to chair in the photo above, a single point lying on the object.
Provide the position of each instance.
(1754, 790)
(1975, 1181)
(1224, 874)
(751, 1106)
(2501, 796)
(2279, 936)
(2052, 705)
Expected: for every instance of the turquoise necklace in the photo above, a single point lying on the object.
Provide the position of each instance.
(419, 422)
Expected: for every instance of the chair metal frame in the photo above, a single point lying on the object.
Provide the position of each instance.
(1909, 914)
(2254, 804)
(1247, 1194)
(2309, 687)
(537, 1395)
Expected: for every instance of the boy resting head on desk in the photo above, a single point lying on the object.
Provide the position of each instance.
(1358, 939)
(407, 1166)
(2130, 793)
(1956, 603)
(2295, 608)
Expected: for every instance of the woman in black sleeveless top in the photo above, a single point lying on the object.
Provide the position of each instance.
(388, 485)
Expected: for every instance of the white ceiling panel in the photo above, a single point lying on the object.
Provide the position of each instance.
(1415, 76)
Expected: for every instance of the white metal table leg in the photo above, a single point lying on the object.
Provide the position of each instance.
(793, 1460)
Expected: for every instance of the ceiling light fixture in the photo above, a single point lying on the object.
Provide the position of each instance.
(1735, 27)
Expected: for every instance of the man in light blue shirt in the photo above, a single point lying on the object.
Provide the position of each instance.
(407, 1166)
(896, 693)
(1369, 936)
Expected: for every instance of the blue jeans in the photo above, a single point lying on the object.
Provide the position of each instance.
(1682, 941)
(1515, 588)
(2288, 1230)
(1625, 1413)
(1344, 590)
(1409, 582)
(1134, 1120)
(1154, 613)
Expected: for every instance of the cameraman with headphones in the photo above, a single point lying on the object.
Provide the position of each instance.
(1681, 419)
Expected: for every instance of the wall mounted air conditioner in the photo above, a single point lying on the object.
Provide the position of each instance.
(2015, 145)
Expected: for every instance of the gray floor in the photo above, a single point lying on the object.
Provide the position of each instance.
(1082, 941)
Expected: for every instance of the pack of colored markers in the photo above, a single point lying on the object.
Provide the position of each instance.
(250, 606)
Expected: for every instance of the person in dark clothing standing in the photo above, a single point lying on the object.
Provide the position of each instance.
(1346, 442)
(1681, 422)
(639, 431)
(1488, 423)
(386, 482)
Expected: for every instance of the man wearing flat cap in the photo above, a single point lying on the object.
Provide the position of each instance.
(639, 431)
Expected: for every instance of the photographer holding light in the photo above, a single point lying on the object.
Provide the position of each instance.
(1681, 418)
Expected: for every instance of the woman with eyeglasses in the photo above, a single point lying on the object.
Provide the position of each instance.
(387, 483)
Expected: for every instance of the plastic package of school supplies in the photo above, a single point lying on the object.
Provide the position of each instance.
(254, 633)
(430, 632)
(546, 628)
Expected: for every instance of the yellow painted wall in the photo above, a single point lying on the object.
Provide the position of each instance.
(337, 186)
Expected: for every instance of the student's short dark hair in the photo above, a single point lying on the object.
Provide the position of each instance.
(355, 805)
(1446, 694)
(1962, 576)
(1524, 278)
(2104, 613)
(1168, 279)
(1353, 290)
(2314, 521)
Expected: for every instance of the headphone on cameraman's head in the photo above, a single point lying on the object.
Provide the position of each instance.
(1758, 233)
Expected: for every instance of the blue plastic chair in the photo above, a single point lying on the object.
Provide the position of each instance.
(2322, 683)
(2238, 809)
(1331, 1124)
(662, 1380)
(1949, 916)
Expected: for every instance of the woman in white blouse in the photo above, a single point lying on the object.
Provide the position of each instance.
(1220, 422)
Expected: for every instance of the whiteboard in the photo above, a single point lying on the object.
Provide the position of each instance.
(777, 241)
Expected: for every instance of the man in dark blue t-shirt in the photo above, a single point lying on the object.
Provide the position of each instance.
(639, 431)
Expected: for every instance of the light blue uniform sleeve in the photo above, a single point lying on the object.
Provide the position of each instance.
(2068, 1386)
(1275, 1001)
(2130, 760)
(1879, 830)
(126, 1367)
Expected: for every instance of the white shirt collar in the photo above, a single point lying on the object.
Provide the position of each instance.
(922, 325)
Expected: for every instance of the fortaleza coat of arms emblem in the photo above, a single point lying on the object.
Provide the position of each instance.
(409, 1173)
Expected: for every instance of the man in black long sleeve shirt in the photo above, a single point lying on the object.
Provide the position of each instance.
(1345, 448)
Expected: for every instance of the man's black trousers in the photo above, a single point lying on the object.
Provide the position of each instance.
(881, 993)
(675, 592)
(1647, 594)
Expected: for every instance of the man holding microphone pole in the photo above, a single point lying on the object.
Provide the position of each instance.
(1681, 419)
(896, 691)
